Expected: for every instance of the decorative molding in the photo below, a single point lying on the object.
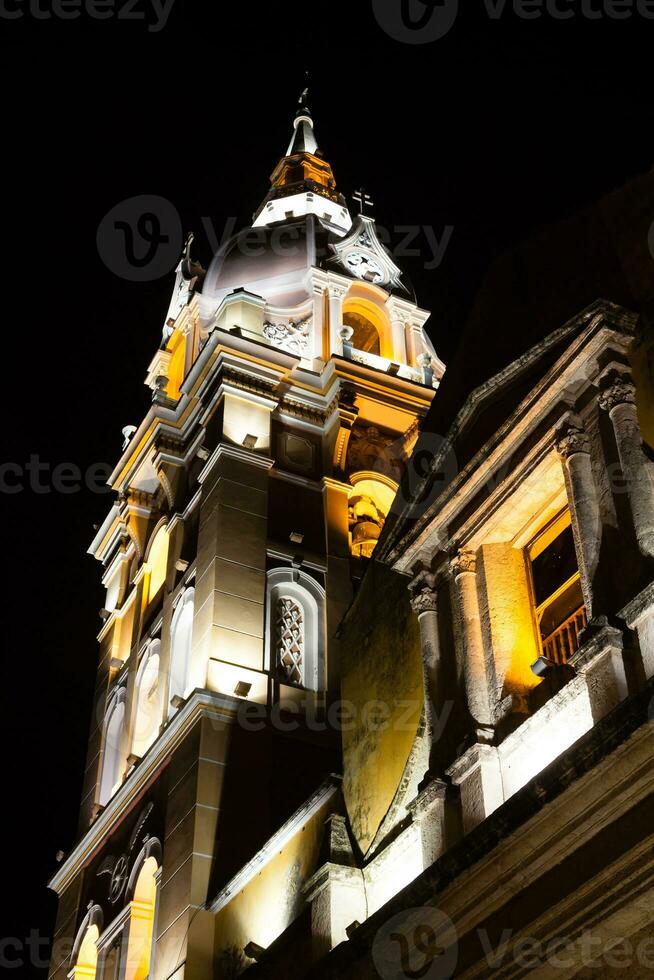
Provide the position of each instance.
(639, 607)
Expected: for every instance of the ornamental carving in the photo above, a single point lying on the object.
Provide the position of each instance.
(572, 439)
(619, 391)
(370, 449)
(465, 563)
(424, 601)
(424, 592)
(292, 336)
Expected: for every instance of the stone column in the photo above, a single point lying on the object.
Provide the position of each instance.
(573, 446)
(424, 602)
(618, 398)
(464, 568)
(336, 292)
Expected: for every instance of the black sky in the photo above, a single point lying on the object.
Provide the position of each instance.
(496, 128)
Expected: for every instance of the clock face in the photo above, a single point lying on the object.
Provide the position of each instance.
(365, 267)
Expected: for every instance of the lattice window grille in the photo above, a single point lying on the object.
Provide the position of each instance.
(290, 640)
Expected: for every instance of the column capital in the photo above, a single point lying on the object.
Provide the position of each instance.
(616, 388)
(423, 590)
(571, 438)
(464, 563)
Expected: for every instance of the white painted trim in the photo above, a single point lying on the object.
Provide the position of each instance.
(201, 703)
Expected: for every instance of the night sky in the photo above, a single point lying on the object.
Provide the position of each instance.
(496, 128)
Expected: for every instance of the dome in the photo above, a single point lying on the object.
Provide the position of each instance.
(272, 262)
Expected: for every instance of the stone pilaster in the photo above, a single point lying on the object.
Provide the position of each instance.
(336, 892)
(428, 812)
(600, 660)
(424, 602)
(618, 398)
(478, 774)
(573, 447)
(478, 689)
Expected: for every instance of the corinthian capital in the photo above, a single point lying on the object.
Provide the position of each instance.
(464, 563)
(617, 389)
(425, 601)
(572, 438)
(424, 594)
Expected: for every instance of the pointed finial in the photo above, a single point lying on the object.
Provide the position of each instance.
(303, 108)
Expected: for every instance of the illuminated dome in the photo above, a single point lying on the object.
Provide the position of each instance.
(271, 262)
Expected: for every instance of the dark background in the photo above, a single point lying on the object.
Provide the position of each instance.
(495, 129)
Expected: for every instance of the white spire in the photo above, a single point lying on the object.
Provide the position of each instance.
(303, 139)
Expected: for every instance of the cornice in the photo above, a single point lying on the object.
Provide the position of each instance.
(201, 703)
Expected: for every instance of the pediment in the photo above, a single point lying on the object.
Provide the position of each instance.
(362, 255)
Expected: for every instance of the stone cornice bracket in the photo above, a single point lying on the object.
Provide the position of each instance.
(571, 438)
(616, 388)
(464, 563)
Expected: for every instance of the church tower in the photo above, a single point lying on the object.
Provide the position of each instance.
(287, 394)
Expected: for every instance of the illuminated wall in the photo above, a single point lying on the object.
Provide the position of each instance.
(381, 666)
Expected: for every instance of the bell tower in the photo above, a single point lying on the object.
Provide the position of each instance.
(287, 393)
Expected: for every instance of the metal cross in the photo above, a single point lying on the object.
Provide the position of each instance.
(363, 200)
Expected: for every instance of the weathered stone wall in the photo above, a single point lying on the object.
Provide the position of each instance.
(383, 696)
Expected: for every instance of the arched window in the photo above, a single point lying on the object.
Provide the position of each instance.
(366, 336)
(180, 648)
(290, 640)
(87, 958)
(147, 719)
(157, 561)
(142, 887)
(363, 310)
(113, 761)
(296, 629)
(84, 957)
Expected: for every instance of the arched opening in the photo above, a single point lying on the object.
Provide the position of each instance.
(148, 700)
(371, 326)
(180, 650)
(113, 753)
(86, 964)
(370, 501)
(295, 629)
(141, 922)
(366, 336)
(157, 562)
